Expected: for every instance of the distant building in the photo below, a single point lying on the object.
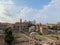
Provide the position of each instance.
(54, 28)
(29, 26)
(22, 26)
(42, 29)
(58, 23)
(5, 25)
(32, 29)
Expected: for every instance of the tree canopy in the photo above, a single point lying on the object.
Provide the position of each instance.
(8, 36)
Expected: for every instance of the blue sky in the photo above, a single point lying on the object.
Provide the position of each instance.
(32, 3)
(44, 11)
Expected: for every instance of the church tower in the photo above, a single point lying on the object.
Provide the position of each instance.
(20, 20)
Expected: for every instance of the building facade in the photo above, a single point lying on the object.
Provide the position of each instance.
(42, 29)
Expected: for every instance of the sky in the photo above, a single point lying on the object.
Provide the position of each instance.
(43, 11)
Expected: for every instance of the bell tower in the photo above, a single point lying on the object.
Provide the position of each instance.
(20, 20)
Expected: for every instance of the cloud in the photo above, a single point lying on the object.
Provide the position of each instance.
(8, 2)
(50, 13)
(3, 7)
(23, 13)
(9, 12)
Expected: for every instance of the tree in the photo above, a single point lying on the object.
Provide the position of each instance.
(8, 36)
(29, 25)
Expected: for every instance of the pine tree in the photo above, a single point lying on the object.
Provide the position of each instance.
(9, 36)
